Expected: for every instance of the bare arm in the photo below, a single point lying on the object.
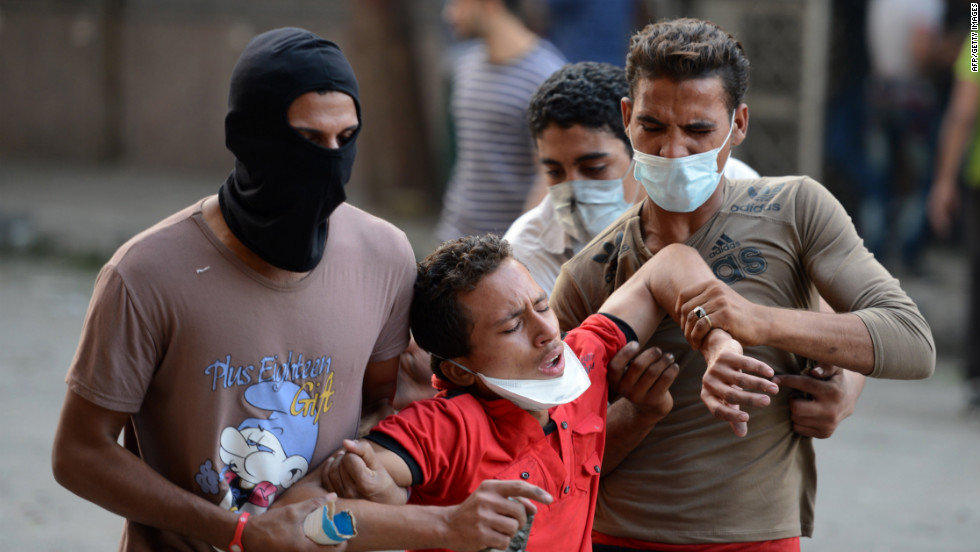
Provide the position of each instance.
(364, 469)
(378, 392)
(958, 122)
(658, 282)
(828, 395)
(829, 338)
(486, 519)
(88, 460)
(366, 473)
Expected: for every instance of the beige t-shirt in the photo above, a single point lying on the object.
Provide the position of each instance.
(777, 241)
(238, 385)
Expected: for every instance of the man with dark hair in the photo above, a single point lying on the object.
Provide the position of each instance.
(775, 245)
(586, 93)
(518, 402)
(577, 125)
(492, 80)
(237, 343)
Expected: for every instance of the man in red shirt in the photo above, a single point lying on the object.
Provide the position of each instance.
(522, 412)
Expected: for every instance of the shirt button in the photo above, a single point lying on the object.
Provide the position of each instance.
(596, 469)
(525, 475)
(567, 489)
(564, 425)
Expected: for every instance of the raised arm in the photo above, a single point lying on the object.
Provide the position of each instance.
(841, 339)
(640, 303)
(838, 339)
(877, 328)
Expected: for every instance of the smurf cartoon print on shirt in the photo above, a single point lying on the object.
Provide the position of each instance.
(263, 455)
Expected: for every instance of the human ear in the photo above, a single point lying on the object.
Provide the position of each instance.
(741, 124)
(626, 106)
(456, 374)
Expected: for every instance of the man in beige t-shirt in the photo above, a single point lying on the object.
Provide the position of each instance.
(775, 245)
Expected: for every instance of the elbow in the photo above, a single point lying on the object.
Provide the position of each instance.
(916, 362)
(904, 347)
(928, 362)
(69, 465)
(926, 358)
(61, 466)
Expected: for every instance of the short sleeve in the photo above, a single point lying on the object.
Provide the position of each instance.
(393, 338)
(596, 341)
(436, 435)
(116, 355)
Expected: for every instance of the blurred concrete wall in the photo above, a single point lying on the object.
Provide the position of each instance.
(144, 82)
(786, 43)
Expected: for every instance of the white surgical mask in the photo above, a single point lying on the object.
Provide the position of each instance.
(586, 207)
(534, 394)
(682, 184)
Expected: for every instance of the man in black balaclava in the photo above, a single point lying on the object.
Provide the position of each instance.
(240, 340)
(284, 187)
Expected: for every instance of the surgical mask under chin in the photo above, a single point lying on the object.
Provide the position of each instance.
(586, 207)
(682, 184)
(537, 394)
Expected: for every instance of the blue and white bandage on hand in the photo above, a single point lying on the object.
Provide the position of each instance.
(327, 526)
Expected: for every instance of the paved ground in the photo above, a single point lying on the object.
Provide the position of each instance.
(901, 475)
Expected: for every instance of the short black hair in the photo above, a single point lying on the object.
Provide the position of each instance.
(688, 48)
(586, 93)
(440, 324)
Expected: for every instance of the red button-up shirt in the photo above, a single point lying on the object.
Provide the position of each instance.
(457, 441)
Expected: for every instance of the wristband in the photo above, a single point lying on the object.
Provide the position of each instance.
(236, 541)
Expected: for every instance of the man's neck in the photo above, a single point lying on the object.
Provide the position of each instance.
(216, 221)
(540, 415)
(662, 228)
(507, 39)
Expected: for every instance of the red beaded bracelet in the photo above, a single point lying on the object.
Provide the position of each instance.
(236, 542)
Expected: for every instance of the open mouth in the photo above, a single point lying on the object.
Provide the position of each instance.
(554, 364)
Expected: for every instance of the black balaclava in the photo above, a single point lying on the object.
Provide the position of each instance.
(283, 188)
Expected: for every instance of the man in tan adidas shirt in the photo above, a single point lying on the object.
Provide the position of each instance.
(775, 244)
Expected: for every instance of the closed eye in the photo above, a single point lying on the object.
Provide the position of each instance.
(345, 137)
